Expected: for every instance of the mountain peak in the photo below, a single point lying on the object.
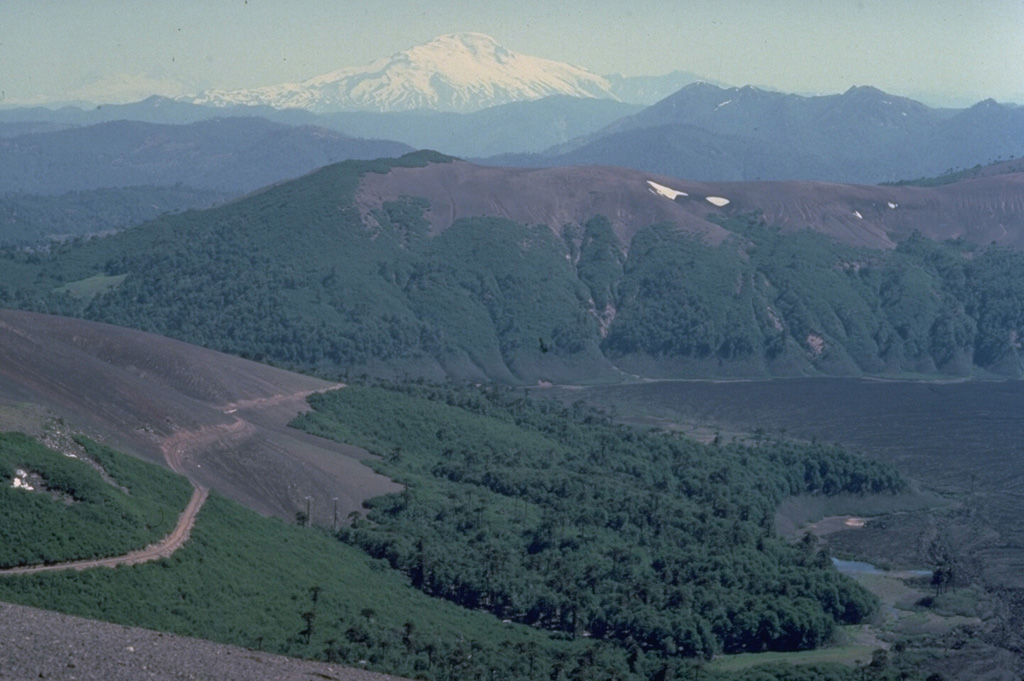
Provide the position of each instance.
(473, 42)
(455, 72)
(455, 46)
(863, 91)
(987, 104)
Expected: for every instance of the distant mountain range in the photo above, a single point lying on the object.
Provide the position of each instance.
(231, 155)
(465, 95)
(701, 132)
(524, 126)
(461, 72)
(863, 135)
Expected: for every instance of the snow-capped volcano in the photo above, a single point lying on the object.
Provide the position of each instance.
(458, 72)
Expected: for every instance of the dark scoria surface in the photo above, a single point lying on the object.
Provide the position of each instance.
(222, 417)
(38, 644)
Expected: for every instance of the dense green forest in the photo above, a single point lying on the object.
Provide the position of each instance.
(98, 503)
(555, 517)
(802, 300)
(293, 276)
(262, 584)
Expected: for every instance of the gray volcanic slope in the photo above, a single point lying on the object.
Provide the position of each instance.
(220, 419)
(982, 210)
(38, 644)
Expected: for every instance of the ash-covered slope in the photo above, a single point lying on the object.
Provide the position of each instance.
(547, 196)
(44, 644)
(222, 419)
(457, 72)
(983, 211)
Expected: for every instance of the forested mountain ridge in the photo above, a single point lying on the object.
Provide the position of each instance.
(32, 220)
(429, 266)
(227, 155)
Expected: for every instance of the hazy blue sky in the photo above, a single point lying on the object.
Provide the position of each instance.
(935, 50)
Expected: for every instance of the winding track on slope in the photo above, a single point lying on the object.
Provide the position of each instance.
(162, 549)
(174, 448)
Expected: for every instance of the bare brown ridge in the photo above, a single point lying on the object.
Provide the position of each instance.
(982, 210)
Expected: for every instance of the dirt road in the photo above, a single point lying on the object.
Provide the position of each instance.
(274, 400)
(162, 549)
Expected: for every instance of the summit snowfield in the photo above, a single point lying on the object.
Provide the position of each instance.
(460, 72)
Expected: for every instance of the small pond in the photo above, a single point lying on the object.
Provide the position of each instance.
(861, 568)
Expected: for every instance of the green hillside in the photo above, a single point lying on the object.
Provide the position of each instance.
(259, 583)
(293, 276)
(96, 504)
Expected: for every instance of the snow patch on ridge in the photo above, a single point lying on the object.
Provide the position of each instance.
(662, 190)
(717, 201)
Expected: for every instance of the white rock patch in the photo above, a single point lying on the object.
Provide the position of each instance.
(21, 481)
(816, 344)
(717, 201)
